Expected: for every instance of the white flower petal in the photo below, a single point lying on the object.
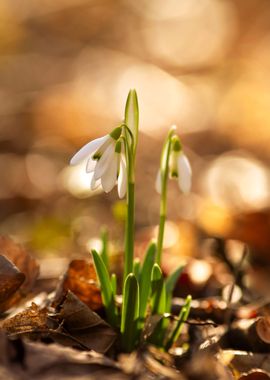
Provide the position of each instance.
(158, 182)
(184, 173)
(104, 161)
(94, 184)
(122, 179)
(108, 179)
(90, 165)
(88, 149)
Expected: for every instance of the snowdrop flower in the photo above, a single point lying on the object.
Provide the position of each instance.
(106, 161)
(179, 167)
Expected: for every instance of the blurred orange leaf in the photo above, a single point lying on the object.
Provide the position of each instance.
(80, 278)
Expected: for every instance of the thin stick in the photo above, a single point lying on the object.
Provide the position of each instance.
(236, 277)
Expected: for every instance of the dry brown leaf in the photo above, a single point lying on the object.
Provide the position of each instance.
(84, 325)
(10, 280)
(31, 320)
(263, 328)
(74, 325)
(25, 263)
(255, 374)
(80, 278)
(41, 361)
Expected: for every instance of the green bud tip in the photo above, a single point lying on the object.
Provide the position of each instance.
(116, 133)
(176, 144)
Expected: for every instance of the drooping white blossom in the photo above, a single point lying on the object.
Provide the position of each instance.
(106, 160)
(179, 168)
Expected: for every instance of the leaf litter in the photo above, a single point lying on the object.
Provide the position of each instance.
(65, 336)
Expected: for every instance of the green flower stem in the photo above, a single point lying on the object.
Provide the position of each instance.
(129, 243)
(164, 173)
(130, 130)
(162, 220)
(130, 201)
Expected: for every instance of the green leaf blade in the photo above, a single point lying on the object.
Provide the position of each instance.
(106, 288)
(104, 249)
(170, 283)
(145, 277)
(130, 313)
(114, 283)
(158, 298)
(136, 267)
(181, 320)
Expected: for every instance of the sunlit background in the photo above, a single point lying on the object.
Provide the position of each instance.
(65, 70)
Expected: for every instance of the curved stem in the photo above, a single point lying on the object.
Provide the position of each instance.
(164, 173)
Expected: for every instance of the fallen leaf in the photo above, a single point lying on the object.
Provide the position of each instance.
(83, 324)
(80, 278)
(10, 280)
(255, 374)
(31, 320)
(73, 325)
(41, 361)
(263, 328)
(26, 265)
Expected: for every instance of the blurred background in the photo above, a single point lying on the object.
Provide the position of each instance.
(66, 67)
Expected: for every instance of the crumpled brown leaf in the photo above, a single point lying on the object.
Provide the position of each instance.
(26, 265)
(263, 328)
(73, 325)
(81, 279)
(83, 324)
(10, 280)
(31, 320)
(41, 361)
(255, 374)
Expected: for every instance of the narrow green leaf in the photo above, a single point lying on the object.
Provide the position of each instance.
(170, 283)
(158, 297)
(145, 277)
(179, 325)
(158, 304)
(136, 267)
(104, 249)
(132, 115)
(106, 288)
(130, 313)
(164, 174)
(114, 283)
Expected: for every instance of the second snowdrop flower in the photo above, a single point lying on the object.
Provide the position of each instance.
(173, 164)
(178, 167)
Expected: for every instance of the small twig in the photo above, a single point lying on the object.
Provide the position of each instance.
(236, 278)
(201, 323)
